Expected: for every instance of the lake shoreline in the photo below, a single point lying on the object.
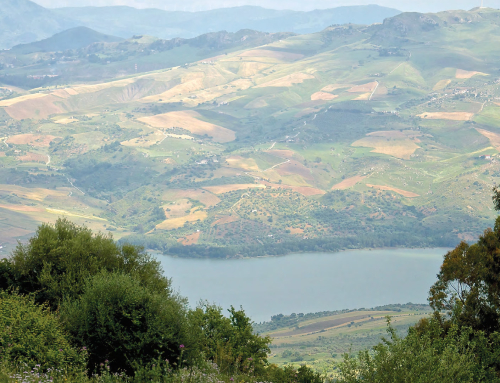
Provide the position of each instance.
(303, 252)
(307, 282)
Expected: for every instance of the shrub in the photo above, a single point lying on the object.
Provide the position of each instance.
(7, 278)
(229, 342)
(31, 335)
(125, 323)
(289, 374)
(458, 356)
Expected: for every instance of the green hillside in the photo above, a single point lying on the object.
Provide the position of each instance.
(252, 144)
(83, 55)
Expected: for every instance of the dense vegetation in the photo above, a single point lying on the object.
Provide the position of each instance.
(460, 342)
(76, 305)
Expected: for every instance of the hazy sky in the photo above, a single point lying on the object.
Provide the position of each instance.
(194, 5)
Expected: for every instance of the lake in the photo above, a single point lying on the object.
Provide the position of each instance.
(308, 282)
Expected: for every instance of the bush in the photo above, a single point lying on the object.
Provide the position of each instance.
(31, 335)
(229, 342)
(59, 258)
(125, 323)
(7, 277)
(288, 374)
(458, 356)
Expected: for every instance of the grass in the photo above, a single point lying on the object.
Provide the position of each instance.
(490, 116)
(322, 341)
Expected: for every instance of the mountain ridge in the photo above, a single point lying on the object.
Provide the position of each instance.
(73, 38)
(23, 21)
(191, 24)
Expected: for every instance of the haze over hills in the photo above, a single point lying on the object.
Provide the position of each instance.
(124, 21)
(22, 21)
(256, 143)
(25, 21)
(297, 5)
(74, 38)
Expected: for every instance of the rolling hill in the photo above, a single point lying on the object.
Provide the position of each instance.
(104, 59)
(263, 144)
(74, 38)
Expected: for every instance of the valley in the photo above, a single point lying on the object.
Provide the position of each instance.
(249, 144)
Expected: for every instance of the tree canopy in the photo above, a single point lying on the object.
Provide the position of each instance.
(59, 258)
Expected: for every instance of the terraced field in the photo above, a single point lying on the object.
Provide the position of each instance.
(320, 339)
(357, 136)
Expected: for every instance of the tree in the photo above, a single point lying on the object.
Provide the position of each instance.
(230, 342)
(56, 262)
(468, 284)
(125, 323)
(30, 334)
(289, 374)
(459, 356)
(7, 278)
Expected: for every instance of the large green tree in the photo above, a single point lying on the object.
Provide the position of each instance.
(229, 341)
(125, 323)
(57, 260)
(468, 284)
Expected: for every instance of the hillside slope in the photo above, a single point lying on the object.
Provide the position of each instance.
(262, 144)
(96, 56)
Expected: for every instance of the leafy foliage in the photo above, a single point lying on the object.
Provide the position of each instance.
(459, 356)
(290, 375)
(230, 342)
(59, 258)
(468, 284)
(30, 334)
(125, 323)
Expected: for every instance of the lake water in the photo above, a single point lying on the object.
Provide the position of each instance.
(308, 282)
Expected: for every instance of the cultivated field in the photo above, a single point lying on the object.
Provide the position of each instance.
(190, 121)
(454, 116)
(229, 188)
(399, 191)
(41, 141)
(396, 147)
(323, 96)
(174, 223)
(464, 74)
(348, 183)
(287, 81)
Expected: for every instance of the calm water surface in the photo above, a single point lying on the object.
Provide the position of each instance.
(308, 282)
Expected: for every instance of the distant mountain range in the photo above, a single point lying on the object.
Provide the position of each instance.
(124, 21)
(23, 21)
(296, 5)
(74, 38)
